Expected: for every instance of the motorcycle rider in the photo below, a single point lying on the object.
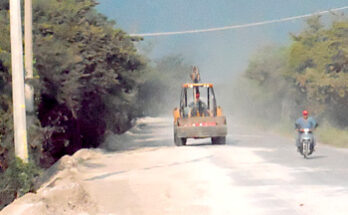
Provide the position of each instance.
(305, 122)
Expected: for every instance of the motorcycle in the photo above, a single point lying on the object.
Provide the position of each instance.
(307, 142)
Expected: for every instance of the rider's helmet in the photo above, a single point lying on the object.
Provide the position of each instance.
(305, 113)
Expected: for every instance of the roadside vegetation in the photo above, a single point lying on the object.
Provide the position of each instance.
(87, 76)
(160, 93)
(17, 180)
(90, 80)
(311, 73)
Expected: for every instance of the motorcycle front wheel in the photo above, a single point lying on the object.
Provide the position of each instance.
(305, 149)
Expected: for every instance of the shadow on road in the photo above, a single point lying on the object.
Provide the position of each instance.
(106, 175)
(200, 144)
(207, 142)
(316, 157)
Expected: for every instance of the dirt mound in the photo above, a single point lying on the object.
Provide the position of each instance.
(60, 190)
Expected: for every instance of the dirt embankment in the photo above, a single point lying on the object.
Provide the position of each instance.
(60, 190)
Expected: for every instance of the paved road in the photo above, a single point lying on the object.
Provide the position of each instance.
(254, 173)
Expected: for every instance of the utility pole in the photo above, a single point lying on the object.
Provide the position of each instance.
(19, 118)
(28, 54)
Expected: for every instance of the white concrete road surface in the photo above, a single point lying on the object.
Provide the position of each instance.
(254, 173)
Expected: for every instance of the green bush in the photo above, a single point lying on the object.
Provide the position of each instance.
(17, 180)
(331, 135)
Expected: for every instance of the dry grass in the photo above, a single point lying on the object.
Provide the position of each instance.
(332, 136)
(326, 133)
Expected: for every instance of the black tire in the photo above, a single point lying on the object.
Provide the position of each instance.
(218, 140)
(305, 149)
(311, 149)
(179, 141)
(300, 150)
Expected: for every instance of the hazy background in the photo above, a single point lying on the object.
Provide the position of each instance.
(219, 55)
(266, 74)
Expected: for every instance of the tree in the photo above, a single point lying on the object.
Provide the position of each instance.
(88, 73)
(319, 67)
(6, 121)
(160, 91)
(270, 94)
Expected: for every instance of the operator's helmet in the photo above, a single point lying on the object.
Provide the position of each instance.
(305, 113)
(197, 95)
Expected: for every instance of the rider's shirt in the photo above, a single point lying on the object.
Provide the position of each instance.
(305, 123)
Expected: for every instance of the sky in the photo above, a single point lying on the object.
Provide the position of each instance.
(219, 55)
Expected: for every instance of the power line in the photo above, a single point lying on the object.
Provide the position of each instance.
(237, 26)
